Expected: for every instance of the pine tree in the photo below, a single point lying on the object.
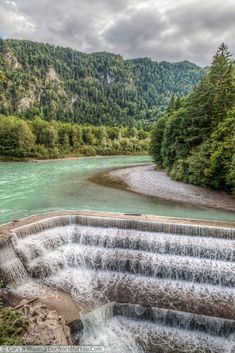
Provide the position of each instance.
(222, 80)
(199, 114)
(212, 99)
(171, 105)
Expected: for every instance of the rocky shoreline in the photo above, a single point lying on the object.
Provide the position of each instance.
(46, 327)
(43, 325)
(147, 181)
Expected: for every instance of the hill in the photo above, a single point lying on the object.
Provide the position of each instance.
(101, 88)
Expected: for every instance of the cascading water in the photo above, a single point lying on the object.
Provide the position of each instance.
(173, 285)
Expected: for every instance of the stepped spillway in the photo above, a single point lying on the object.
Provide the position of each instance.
(172, 286)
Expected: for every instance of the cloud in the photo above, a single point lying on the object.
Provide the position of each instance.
(163, 30)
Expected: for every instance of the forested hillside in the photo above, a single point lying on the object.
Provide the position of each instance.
(102, 88)
(195, 140)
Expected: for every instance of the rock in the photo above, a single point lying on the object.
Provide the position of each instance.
(23, 302)
(9, 298)
(46, 327)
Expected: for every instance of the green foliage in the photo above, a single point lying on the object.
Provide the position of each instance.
(38, 138)
(88, 150)
(16, 137)
(195, 140)
(12, 325)
(98, 89)
(221, 77)
(2, 77)
(231, 175)
(156, 141)
(173, 143)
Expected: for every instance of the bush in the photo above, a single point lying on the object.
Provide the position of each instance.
(2, 284)
(54, 153)
(88, 151)
(40, 152)
(12, 325)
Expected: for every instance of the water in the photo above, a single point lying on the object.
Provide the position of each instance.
(156, 330)
(155, 287)
(32, 188)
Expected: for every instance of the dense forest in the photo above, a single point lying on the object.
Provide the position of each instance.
(195, 140)
(99, 89)
(37, 138)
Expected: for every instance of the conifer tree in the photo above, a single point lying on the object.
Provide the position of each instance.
(212, 99)
(221, 78)
(171, 105)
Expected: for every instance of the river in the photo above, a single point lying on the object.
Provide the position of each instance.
(33, 188)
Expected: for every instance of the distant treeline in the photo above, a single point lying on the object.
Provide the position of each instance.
(195, 140)
(37, 138)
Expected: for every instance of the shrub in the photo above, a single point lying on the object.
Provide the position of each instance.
(12, 325)
(88, 150)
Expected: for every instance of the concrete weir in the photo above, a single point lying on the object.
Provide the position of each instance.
(142, 283)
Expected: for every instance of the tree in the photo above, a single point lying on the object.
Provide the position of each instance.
(171, 105)
(156, 141)
(212, 99)
(49, 136)
(16, 138)
(88, 136)
(173, 143)
(101, 133)
(77, 140)
(221, 77)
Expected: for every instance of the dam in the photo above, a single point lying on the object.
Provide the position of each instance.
(141, 285)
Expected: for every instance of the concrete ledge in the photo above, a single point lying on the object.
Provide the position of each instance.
(5, 229)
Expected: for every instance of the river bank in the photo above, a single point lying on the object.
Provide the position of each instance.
(68, 158)
(147, 181)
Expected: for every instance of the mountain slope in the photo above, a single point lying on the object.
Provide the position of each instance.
(101, 88)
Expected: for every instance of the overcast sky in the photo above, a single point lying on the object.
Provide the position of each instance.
(171, 30)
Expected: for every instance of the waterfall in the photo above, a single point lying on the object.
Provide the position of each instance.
(171, 286)
(155, 330)
(12, 269)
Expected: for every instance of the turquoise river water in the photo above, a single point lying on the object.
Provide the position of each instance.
(32, 188)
